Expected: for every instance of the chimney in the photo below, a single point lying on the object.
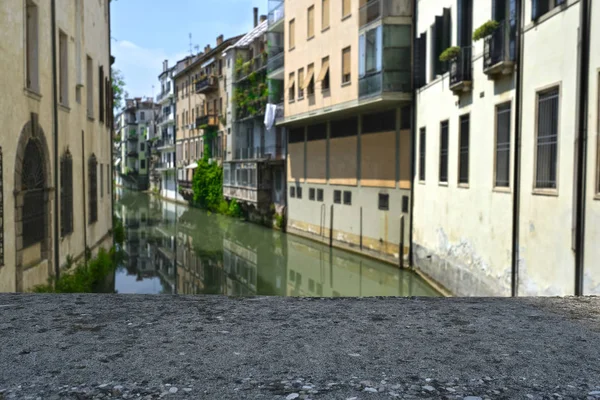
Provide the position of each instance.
(165, 65)
(207, 48)
(263, 18)
(219, 40)
(255, 17)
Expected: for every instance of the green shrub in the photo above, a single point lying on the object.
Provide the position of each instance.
(207, 185)
(235, 210)
(118, 231)
(485, 30)
(450, 53)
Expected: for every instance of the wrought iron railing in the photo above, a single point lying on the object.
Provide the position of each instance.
(373, 10)
(163, 95)
(206, 84)
(207, 120)
(497, 46)
(461, 69)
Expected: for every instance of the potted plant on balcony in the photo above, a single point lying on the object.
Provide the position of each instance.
(450, 54)
(485, 30)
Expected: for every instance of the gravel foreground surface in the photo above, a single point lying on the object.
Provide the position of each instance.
(150, 347)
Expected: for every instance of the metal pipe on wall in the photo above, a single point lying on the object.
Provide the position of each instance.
(55, 117)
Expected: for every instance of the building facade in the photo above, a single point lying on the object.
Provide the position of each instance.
(55, 160)
(347, 81)
(495, 188)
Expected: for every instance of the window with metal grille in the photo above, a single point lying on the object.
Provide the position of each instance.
(93, 188)
(311, 194)
(503, 113)
(1, 212)
(337, 196)
(463, 159)
(347, 198)
(384, 201)
(422, 149)
(299, 192)
(320, 195)
(444, 152)
(547, 140)
(66, 194)
(34, 204)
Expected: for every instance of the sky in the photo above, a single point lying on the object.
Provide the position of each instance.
(146, 32)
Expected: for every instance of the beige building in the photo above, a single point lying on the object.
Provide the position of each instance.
(199, 92)
(347, 84)
(56, 142)
(483, 224)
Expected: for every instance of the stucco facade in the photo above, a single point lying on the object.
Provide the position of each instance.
(29, 156)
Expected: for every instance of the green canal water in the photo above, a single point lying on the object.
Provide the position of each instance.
(171, 248)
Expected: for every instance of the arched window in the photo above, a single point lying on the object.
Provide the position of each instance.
(66, 194)
(32, 184)
(93, 184)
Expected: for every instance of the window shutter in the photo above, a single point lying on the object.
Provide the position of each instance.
(346, 62)
(325, 22)
(101, 93)
(447, 30)
(459, 22)
(420, 61)
(494, 16)
(535, 7)
(439, 44)
(346, 7)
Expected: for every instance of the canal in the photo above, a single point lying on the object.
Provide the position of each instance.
(171, 248)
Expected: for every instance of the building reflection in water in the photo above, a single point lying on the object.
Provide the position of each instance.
(171, 248)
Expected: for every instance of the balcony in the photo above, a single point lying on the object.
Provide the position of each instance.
(166, 95)
(251, 195)
(461, 71)
(165, 166)
(164, 119)
(276, 63)
(498, 51)
(276, 14)
(132, 154)
(207, 121)
(260, 153)
(132, 137)
(378, 82)
(373, 10)
(254, 65)
(207, 84)
(165, 143)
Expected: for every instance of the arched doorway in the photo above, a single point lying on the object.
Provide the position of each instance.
(32, 205)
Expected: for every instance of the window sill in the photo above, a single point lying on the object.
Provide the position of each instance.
(325, 29)
(90, 118)
(32, 94)
(64, 107)
(291, 48)
(344, 84)
(597, 196)
(545, 192)
(505, 190)
(443, 184)
(300, 98)
(310, 38)
(463, 186)
(345, 17)
(292, 101)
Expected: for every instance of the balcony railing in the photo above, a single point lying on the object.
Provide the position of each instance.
(384, 81)
(206, 84)
(499, 50)
(165, 142)
(461, 70)
(207, 120)
(276, 11)
(255, 153)
(251, 195)
(132, 154)
(165, 118)
(165, 165)
(164, 95)
(254, 65)
(275, 62)
(373, 10)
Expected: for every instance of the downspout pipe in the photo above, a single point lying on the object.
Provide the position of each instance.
(582, 136)
(413, 141)
(55, 128)
(517, 157)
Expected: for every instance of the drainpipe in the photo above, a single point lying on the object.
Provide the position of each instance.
(517, 158)
(84, 200)
(582, 123)
(56, 171)
(413, 141)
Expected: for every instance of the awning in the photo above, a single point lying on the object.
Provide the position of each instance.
(309, 77)
(192, 166)
(324, 70)
(291, 83)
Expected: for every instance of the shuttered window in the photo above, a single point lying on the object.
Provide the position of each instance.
(310, 18)
(444, 152)
(422, 152)
(101, 93)
(420, 61)
(325, 14)
(66, 194)
(463, 158)
(441, 36)
(503, 113)
(300, 83)
(292, 34)
(346, 8)
(464, 23)
(93, 189)
(346, 65)
(547, 140)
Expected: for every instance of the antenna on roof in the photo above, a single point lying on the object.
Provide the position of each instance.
(197, 48)
(191, 53)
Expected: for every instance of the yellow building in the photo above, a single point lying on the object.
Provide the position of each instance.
(348, 110)
(56, 111)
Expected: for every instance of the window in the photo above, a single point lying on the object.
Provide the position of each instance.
(346, 66)
(292, 191)
(299, 192)
(300, 83)
(324, 14)
(441, 35)
(405, 204)
(101, 94)
(142, 116)
(347, 198)
(291, 88)
(63, 95)
(142, 147)
(310, 19)
(142, 164)
(384, 201)
(311, 194)
(101, 181)
(541, 7)
(309, 84)
(220, 67)
(93, 188)
(292, 34)
(420, 68)
(34, 205)
(463, 158)
(320, 195)
(324, 74)
(503, 145)
(464, 23)
(346, 8)
(547, 139)
(444, 152)
(422, 149)
(32, 47)
(90, 87)
(337, 196)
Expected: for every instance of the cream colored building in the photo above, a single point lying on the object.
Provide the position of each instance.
(347, 84)
(56, 142)
(470, 115)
